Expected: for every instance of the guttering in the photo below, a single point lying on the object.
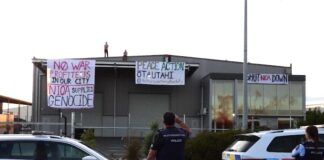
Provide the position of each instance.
(104, 64)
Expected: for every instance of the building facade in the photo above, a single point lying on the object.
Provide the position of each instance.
(210, 99)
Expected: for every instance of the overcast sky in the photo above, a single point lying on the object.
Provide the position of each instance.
(280, 32)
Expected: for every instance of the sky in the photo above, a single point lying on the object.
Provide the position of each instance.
(280, 32)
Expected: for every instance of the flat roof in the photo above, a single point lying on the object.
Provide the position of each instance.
(5, 99)
(100, 63)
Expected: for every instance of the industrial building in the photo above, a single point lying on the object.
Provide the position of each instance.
(13, 111)
(210, 98)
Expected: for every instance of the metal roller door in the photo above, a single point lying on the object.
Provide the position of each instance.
(145, 109)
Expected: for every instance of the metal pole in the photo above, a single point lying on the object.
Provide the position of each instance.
(129, 125)
(202, 108)
(19, 112)
(72, 124)
(289, 105)
(245, 70)
(27, 119)
(115, 98)
(81, 119)
(223, 125)
(235, 104)
(252, 124)
(215, 122)
(65, 123)
(7, 124)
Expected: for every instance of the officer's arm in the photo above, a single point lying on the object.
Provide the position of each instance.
(182, 124)
(299, 151)
(151, 155)
(156, 145)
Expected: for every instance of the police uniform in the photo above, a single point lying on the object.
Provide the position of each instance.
(169, 143)
(308, 151)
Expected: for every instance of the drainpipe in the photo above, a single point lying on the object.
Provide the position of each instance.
(201, 107)
(115, 99)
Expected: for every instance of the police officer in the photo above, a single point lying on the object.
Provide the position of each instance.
(169, 143)
(312, 149)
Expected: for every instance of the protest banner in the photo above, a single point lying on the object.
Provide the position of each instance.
(70, 83)
(160, 73)
(267, 78)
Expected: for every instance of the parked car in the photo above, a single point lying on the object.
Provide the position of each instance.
(43, 146)
(273, 144)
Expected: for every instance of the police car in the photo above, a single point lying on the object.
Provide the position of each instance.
(267, 145)
(40, 145)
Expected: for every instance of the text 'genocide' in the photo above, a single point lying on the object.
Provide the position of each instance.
(71, 100)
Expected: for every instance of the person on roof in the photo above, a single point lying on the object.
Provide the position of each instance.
(106, 49)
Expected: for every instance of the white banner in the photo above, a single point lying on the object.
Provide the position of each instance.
(267, 78)
(70, 83)
(160, 73)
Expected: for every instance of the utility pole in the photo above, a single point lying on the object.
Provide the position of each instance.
(245, 70)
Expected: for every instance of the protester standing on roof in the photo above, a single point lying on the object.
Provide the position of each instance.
(106, 49)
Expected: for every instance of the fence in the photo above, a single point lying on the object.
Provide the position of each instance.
(104, 126)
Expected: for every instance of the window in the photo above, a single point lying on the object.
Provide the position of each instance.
(5, 148)
(23, 149)
(270, 99)
(255, 99)
(39, 150)
(283, 99)
(296, 98)
(285, 143)
(223, 103)
(242, 143)
(70, 152)
(17, 149)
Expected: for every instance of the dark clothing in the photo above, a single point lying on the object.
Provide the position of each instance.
(106, 49)
(106, 52)
(169, 143)
(312, 151)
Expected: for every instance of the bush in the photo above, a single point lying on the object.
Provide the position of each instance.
(209, 145)
(149, 137)
(88, 137)
(133, 149)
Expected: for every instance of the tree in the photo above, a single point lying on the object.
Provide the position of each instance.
(313, 117)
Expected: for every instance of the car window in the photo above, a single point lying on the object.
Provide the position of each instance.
(285, 143)
(288, 143)
(243, 143)
(17, 149)
(321, 137)
(23, 149)
(5, 149)
(39, 150)
(70, 152)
